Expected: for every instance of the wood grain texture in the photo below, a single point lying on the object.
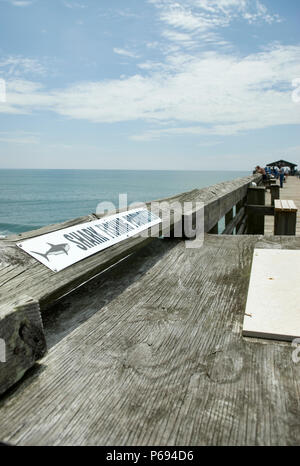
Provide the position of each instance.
(275, 193)
(290, 190)
(20, 273)
(256, 221)
(21, 330)
(260, 209)
(285, 205)
(151, 353)
(275, 276)
(234, 222)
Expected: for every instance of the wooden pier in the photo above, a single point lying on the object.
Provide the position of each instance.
(290, 190)
(150, 351)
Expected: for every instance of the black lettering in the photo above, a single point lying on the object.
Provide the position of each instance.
(79, 245)
(106, 229)
(93, 236)
(115, 227)
(137, 219)
(78, 235)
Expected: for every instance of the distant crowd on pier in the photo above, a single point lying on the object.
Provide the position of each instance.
(279, 173)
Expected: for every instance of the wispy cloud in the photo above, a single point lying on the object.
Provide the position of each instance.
(74, 4)
(206, 18)
(127, 14)
(189, 91)
(209, 143)
(212, 94)
(18, 66)
(125, 53)
(208, 14)
(21, 3)
(19, 137)
(179, 37)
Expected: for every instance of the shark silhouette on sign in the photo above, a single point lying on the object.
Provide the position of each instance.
(54, 250)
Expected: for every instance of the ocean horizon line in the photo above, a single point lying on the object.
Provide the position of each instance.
(131, 169)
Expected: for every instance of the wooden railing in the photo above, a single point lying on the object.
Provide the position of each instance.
(28, 287)
(25, 275)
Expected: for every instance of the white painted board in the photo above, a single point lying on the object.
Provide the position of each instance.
(62, 248)
(273, 302)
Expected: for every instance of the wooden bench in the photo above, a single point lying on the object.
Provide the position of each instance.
(285, 217)
(270, 182)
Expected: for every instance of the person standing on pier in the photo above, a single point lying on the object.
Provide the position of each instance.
(281, 177)
(262, 171)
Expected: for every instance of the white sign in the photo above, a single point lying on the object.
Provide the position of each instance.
(61, 248)
(272, 309)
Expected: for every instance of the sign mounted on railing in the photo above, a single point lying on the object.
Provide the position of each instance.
(62, 248)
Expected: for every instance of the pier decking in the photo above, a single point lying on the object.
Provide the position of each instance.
(152, 354)
(290, 191)
(150, 351)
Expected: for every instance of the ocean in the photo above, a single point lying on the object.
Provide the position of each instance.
(30, 199)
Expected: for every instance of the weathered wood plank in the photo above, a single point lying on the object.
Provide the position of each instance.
(151, 353)
(285, 217)
(22, 338)
(238, 207)
(285, 205)
(229, 218)
(274, 275)
(214, 230)
(275, 193)
(285, 222)
(260, 209)
(228, 195)
(234, 222)
(291, 190)
(242, 226)
(256, 221)
(45, 285)
(218, 199)
(21, 273)
(49, 228)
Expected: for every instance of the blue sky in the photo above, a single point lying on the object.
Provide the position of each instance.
(149, 84)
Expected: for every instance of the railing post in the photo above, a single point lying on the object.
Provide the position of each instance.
(228, 218)
(275, 190)
(238, 207)
(214, 230)
(256, 222)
